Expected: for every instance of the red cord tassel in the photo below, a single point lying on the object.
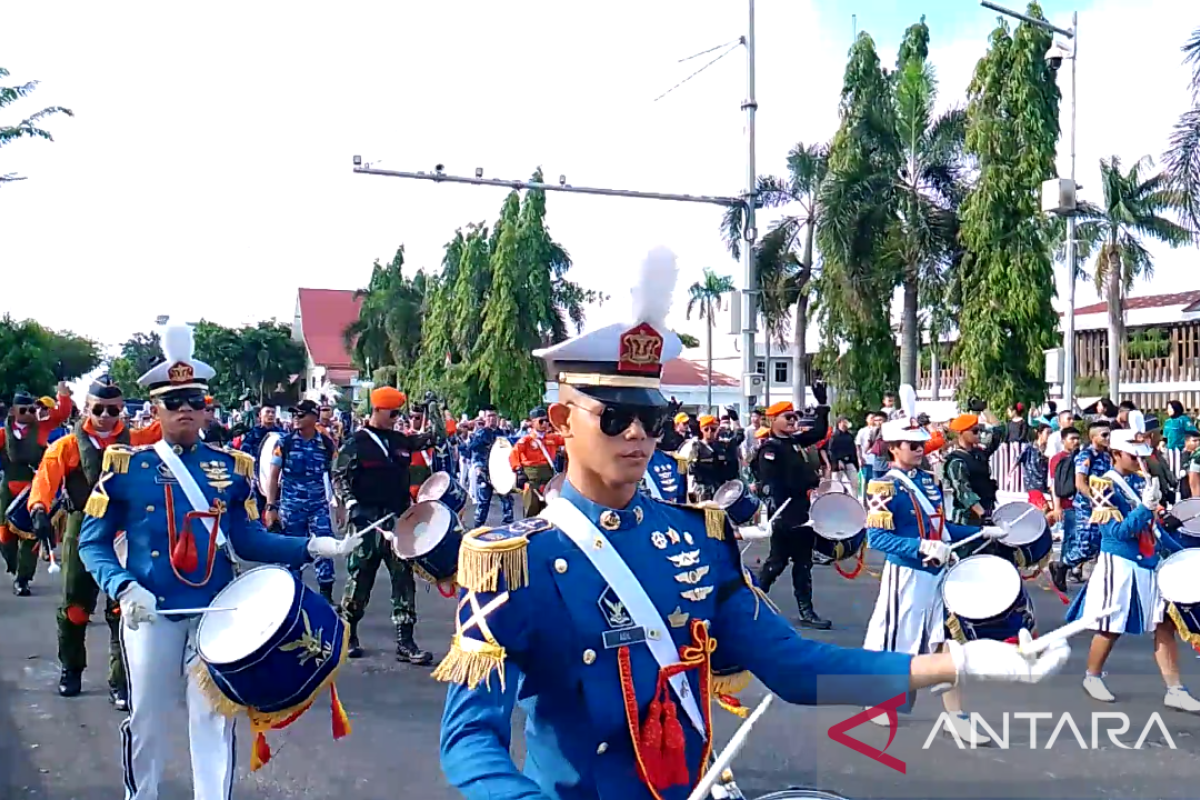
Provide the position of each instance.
(184, 555)
(340, 720)
(651, 745)
(674, 758)
(1146, 544)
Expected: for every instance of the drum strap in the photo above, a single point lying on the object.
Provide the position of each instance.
(613, 569)
(542, 447)
(386, 453)
(191, 490)
(1120, 481)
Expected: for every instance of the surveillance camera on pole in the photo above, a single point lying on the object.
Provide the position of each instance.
(1055, 55)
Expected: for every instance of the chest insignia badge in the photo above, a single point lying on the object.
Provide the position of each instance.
(678, 618)
(696, 595)
(673, 535)
(637, 516)
(688, 558)
(687, 538)
(610, 521)
(692, 576)
(217, 474)
(163, 475)
(613, 610)
(659, 540)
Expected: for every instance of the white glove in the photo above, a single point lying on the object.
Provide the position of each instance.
(137, 606)
(1152, 495)
(329, 547)
(997, 661)
(935, 553)
(993, 532)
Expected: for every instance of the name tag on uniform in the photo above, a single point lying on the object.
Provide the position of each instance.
(624, 637)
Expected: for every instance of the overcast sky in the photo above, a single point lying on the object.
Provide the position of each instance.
(207, 170)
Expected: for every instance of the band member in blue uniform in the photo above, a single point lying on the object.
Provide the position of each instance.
(602, 614)
(1124, 504)
(479, 446)
(252, 441)
(187, 511)
(298, 486)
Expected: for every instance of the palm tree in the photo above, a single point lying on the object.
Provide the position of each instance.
(707, 297)
(1183, 157)
(786, 279)
(388, 329)
(1133, 209)
(28, 127)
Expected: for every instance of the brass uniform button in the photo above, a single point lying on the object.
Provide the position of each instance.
(560, 565)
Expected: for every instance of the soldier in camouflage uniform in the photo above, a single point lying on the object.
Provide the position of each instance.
(372, 480)
(75, 460)
(969, 472)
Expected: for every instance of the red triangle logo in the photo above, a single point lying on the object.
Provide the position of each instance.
(838, 733)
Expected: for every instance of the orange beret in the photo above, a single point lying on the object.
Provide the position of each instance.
(706, 420)
(387, 398)
(963, 422)
(780, 408)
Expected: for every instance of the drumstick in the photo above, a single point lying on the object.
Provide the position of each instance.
(778, 511)
(191, 612)
(1008, 526)
(54, 567)
(727, 755)
(1065, 632)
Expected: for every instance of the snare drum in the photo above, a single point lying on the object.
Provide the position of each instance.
(801, 794)
(429, 535)
(20, 521)
(1188, 512)
(1178, 577)
(271, 656)
(444, 489)
(739, 504)
(840, 523)
(985, 598)
(1029, 542)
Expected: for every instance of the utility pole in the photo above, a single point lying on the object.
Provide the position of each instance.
(750, 293)
(1068, 385)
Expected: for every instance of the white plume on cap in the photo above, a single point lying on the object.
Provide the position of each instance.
(908, 400)
(653, 293)
(325, 391)
(1137, 421)
(178, 343)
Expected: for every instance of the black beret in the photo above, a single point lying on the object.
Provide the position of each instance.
(104, 389)
(538, 413)
(23, 398)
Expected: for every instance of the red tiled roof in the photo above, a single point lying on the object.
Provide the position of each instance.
(324, 315)
(681, 372)
(1149, 301)
(341, 377)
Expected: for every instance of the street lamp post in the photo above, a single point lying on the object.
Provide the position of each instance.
(1068, 385)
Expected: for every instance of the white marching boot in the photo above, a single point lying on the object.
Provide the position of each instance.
(1095, 688)
(966, 733)
(1179, 699)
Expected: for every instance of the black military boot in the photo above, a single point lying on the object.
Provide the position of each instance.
(803, 587)
(1058, 575)
(355, 650)
(119, 697)
(70, 682)
(406, 648)
(326, 590)
(21, 588)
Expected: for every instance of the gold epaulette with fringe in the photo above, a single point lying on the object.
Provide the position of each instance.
(879, 494)
(486, 554)
(243, 463)
(116, 458)
(1104, 509)
(251, 506)
(681, 463)
(97, 502)
(471, 662)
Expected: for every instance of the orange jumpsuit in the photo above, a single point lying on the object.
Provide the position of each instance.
(528, 457)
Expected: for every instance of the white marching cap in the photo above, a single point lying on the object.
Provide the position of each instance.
(180, 370)
(1126, 441)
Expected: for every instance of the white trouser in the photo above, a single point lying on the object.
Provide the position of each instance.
(909, 616)
(158, 661)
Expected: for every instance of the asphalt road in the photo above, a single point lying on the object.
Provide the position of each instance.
(67, 749)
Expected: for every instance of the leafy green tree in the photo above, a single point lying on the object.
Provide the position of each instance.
(35, 358)
(687, 340)
(1183, 155)
(859, 268)
(389, 325)
(138, 354)
(1136, 206)
(28, 128)
(1006, 279)
(252, 361)
(707, 297)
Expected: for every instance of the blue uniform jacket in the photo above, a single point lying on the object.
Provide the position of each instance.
(556, 666)
(479, 445)
(663, 469)
(253, 439)
(303, 464)
(1120, 532)
(133, 495)
(896, 523)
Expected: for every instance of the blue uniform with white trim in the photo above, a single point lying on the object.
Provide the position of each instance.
(304, 466)
(544, 639)
(897, 523)
(479, 447)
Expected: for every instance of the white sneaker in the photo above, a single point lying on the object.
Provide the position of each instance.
(1179, 699)
(969, 736)
(1094, 686)
(880, 719)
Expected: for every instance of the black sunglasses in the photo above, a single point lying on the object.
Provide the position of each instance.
(25, 409)
(393, 414)
(616, 418)
(174, 402)
(100, 411)
(791, 417)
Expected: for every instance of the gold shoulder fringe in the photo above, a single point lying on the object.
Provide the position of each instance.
(681, 463)
(471, 662)
(116, 459)
(881, 488)
(1103, 514)
(731, 684)
(714, 523)
(480, 564)
(1185, 632)
(243, 463)
(97, 502)
(881, 519)
(954, 627)
(251, 506)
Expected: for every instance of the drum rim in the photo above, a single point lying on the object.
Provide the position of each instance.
(216, 602)
(1038, 515)
(998, 559)
(798, 792)
(1179, 558)
(1195, 532)
(442, 478)
(430, 504)
(731, 485)
(839, 495)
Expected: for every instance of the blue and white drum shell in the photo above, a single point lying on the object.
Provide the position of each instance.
(1178, 577)
(20, 521)
(840, 549)
(1188, 512)
(840, 522)
(443, 488)
(280, 646)
(739, 504)
(1029, 540)
(429, 534)
(985, 598)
